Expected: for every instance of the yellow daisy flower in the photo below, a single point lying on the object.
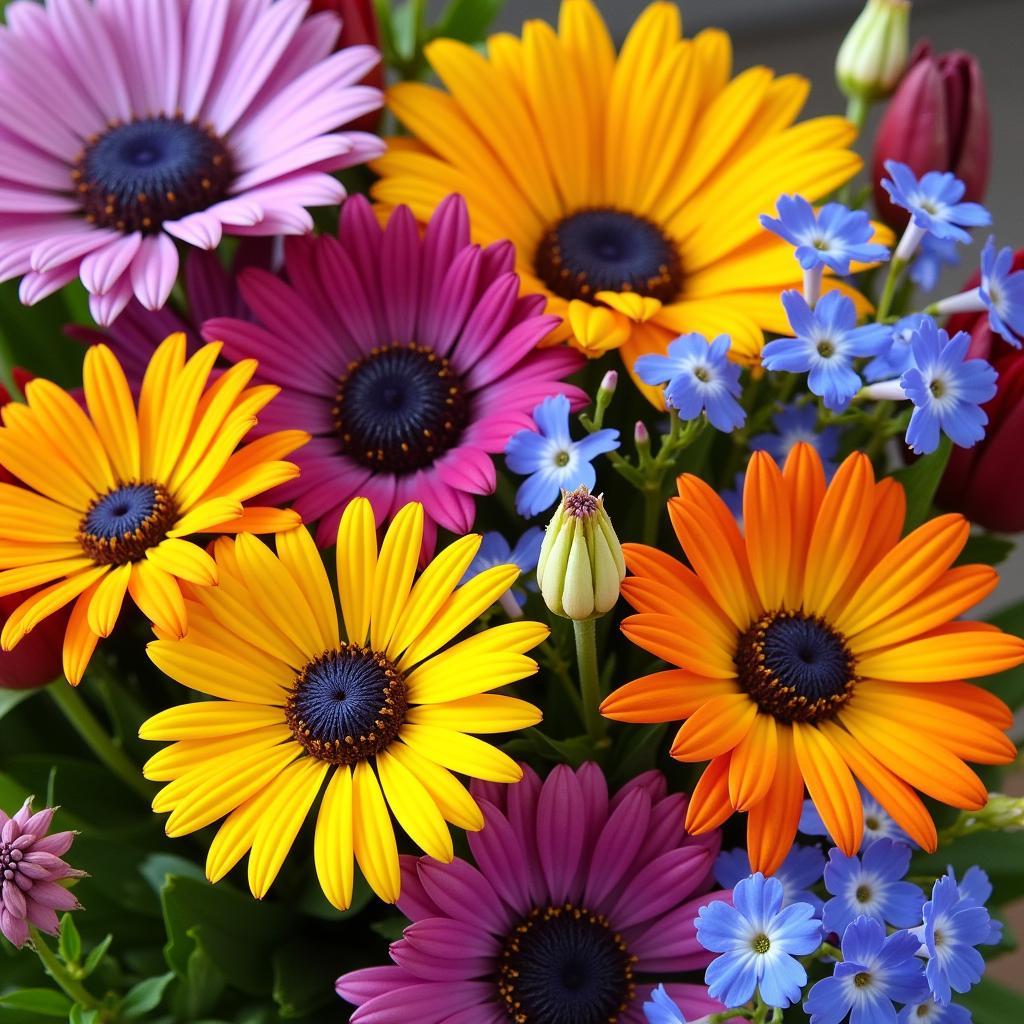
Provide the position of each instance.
(631, 185)
(377, 709)
(111, 492)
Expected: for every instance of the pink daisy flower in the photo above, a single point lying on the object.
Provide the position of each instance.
(577, 906)
(127, 125)
(411, 362)
(30, 870)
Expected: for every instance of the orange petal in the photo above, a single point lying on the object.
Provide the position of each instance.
(905, 806)
(951, 595)
(831, 787)
(668, 696)
(660, 634)
(916, 759)
(753, 764)
(767, 523)
(772, 823)
(805, 479)
(960, 650)
(839, 532)
(709, 804)
(912, 566)
(715, 727)
(964, 697)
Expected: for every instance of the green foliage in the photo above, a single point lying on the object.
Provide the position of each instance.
(992, 1003)
(43, 1001)
(920, 482)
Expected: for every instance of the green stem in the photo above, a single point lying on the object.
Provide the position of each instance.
(85, 723)
(590, 686)
(889, 289)
(652, 512)
(857, 112)
(73, 989)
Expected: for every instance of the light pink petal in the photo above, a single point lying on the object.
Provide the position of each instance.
(75, 240)
(154, 270)
(35, 287)
(57, 844)
(156, 53)
(202, 229)
(16, 928)
(26, 165)
(242, 211)
(54, 896)
(105, 309)
(304, 188)
(322, 149)
(276, 221)
(103, 268)
(24, 200)
(204, 32)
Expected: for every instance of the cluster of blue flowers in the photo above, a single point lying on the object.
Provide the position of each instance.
(899, 948)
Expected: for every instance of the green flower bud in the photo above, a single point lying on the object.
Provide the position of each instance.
(581, 565)
(1001, 814)
(874, 53)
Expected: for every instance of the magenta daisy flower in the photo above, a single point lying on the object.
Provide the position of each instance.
(30, 870)
(577, 906)
(411, 362)
(125, 126)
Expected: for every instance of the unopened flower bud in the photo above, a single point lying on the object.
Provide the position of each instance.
(581, 565)
(609, 382)
(874, 53)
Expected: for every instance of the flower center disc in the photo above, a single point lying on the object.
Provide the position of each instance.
(400, 408)
(347, 705)
(607, 250)
(136, 176)
(122, 525)
(565, 965)
(795, 666)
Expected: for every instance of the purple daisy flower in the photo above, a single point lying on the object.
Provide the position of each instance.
(574, 897)
(125, 126)
(411, 362)
(30, 870)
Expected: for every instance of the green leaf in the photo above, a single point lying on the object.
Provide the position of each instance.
(406, 28)
(304, 975)
(10, 699)
(1001, 856)
(44, 1001)
(145, 996)
(391, 928)
(70, 944)
(921, 480)
(468, 20)
(574, 750)
(33, 337)
(992, 1003)
(987, 548)
(636, 751)
(80, 1015)
(96, 955)
(201, 987)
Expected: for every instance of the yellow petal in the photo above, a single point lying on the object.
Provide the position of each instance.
(452, 798)
(178, 758)
(596, 329)
(357, 564)
(212, 672)
(105, 606)
(159, 597)
(373, 836)
(461, 753)
(415, 810)
(112, 409)
(45, 602)
(484, 713)
(208, 719)
(79, 640)
(300, 556)
(163, 369)
(396, 568)
(205, 516)
(333, 842)
(185, 560)
(638, 308)
(25, 515)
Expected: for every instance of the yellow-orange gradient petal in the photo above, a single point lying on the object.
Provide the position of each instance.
(710, 804)
(663, 635)
(752, 769)
(773, 821)
(668, 696)
(805, 477)
(831, 787)
(715, 728)
(767, 517)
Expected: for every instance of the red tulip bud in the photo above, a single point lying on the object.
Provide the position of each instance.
(358, 25)
(985, 482)
(37, 659)
(938, 120)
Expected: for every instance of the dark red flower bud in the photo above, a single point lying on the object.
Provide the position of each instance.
(37, 659)
(985, 482)
(937, 120)
(358, 25)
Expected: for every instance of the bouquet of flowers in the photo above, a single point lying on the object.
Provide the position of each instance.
(491, 524)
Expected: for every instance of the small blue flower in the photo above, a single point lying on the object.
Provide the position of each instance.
(551, 460)
(759, 941)
(831, 238)
(934, 201)
(878, 823)
(929, 1012)
(699, 378)
(795, 424)
(877, 970)
(1002, 291)
(933, 254)
(946, 388)
(800, 871)
(495, 550)
(975, 888)
(899, 356)
(661, 1010)
(871, 886)
(827, 342)
(953, 926)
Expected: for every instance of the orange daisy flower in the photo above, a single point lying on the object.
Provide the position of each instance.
(816, 649)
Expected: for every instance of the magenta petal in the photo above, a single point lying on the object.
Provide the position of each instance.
(447, 939)
(59, 843)
(49, 894)
(445, 236)
(560, 827)
(660, 885)
(400, 275)
(425, 1003)
(478, 1015)
(14, 928)
(359, 986)
(669, 945)
(652, 781)
(433, 968)
(454, 300)
(462, 892)
(496, 848)
(486, 323)
(514, 346)
(665, 831)
(414, 901)
(616, 847)
(467, 469)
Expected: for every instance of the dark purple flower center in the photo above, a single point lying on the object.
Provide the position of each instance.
(122, 525)
(795, 666)
(347, 705)
(135, 176)
(608, 250)
(565, 965)
(400, 408)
